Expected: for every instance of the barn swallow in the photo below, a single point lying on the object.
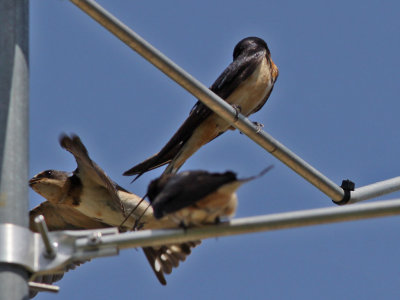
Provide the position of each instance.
(245, 84)
(194, 198)
(88, 199)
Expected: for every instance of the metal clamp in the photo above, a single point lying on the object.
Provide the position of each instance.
(347, 186)
(66, 251)
(17, 246)
(48, 252)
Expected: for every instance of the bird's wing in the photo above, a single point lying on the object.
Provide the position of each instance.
(186, 188)
(62, 217)
(237, 72)
(88, 170)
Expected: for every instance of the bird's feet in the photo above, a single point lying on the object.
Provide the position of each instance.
(138, 225)
(183, 225)
(238, 110)
(259, 126)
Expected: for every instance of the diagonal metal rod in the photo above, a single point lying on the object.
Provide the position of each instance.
(200, 91)
(271, 222)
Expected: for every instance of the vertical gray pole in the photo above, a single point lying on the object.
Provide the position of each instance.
(14, 89)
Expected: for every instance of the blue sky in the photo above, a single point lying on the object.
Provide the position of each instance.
(334, 104)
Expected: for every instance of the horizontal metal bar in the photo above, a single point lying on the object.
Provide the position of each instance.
(197, 89)
(375, 190)
(271, 222)
(43, 287)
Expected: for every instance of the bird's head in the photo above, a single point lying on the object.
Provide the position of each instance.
(49, 184)
(250, 45)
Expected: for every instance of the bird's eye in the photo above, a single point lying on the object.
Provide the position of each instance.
(48, 173)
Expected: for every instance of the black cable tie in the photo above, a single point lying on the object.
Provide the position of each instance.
(347, 186)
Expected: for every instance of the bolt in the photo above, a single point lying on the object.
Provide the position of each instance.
(95, 238)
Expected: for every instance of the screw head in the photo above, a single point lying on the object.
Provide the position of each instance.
(95, 238)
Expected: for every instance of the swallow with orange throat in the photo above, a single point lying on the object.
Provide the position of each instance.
(88, 199)
(246, 84)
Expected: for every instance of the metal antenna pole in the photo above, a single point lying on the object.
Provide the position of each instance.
(14, 21)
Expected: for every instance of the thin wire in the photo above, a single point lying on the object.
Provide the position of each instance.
(133, 209)
(136, 226)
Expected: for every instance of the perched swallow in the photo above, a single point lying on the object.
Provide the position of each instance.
(245, 84)
(193, 198)
(88, 199)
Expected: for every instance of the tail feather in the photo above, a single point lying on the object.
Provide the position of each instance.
(199, 113)
(151, 163)
(160, 159)
(151, 257)
(262, 173)
(163, 259)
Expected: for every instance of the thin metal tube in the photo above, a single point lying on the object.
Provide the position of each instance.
(43, 287)
(375, 190)
(14, 81)
(197, 89)
(250, 225)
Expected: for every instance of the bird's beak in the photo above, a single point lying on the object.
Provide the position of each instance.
(33, 181)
